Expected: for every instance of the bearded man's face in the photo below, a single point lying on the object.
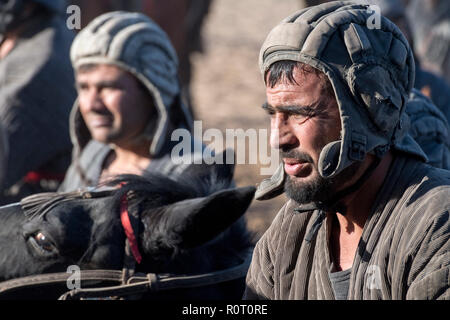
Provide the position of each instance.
(304, 118)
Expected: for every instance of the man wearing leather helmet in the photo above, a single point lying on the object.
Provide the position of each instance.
(128, 100)
(366, 218)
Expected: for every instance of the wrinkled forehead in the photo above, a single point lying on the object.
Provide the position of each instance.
(299, 87)
(101, 71)
(293, 73)
(106, 74)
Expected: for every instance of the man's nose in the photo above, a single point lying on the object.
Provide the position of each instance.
(93, 101)
(281, 134)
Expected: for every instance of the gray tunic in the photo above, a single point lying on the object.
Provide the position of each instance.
(91, 162)
(403, 252)
(340, 281)
(430, 129)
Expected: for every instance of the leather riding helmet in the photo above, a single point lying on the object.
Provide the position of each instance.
(370, 69)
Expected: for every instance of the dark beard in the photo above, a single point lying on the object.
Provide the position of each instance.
(319, 189)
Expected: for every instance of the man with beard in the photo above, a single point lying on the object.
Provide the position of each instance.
(366, 218)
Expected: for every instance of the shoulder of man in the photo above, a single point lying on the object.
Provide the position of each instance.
(280, 240)
(427, 194)
(424, 229)
(430, 128)
(429, 266)
(90, 161)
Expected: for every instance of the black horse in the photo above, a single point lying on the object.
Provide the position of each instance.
(186, 227)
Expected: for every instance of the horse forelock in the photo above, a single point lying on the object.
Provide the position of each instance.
(38, 205)
(164, 190)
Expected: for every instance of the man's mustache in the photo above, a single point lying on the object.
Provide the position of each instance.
(101, 112)
(296, 154)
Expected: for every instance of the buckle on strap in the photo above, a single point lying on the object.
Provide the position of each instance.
(357, 150)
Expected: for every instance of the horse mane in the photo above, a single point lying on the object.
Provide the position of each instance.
(190, 186)
(38, 205)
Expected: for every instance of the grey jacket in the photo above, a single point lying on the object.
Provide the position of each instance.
(403, 252)
(91, 163)
(430, 129)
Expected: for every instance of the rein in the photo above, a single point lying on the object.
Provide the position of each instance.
(139, 283)
(128, 283)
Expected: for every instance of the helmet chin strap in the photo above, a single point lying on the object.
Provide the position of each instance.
(335, 204)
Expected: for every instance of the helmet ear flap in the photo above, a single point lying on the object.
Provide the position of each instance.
(329, 158)
(80, 133)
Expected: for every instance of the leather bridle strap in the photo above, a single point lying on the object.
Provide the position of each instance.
(152, 282)
(138, 283)
(58, 278)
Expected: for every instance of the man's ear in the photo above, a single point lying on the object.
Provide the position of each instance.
(190, 223)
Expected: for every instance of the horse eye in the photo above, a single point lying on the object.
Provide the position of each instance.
(43, 241)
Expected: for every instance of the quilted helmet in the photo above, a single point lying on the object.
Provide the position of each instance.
(371, 71)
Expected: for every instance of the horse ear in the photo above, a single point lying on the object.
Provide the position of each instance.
(190, 223)
(221, 169)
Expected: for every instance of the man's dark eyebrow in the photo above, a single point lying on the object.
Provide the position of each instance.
(100, 84)
(108, 83)
(295, 109)
(266, 106)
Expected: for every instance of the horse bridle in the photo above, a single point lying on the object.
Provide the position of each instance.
(129, 284)
(137, 284)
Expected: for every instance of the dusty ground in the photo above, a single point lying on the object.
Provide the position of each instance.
(227, 87)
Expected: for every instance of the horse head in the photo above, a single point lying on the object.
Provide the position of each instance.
(186, 226)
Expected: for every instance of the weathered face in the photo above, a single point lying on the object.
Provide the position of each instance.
(114, 105)
(304, 118)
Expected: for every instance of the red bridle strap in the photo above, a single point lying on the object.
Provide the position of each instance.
(126, 223)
